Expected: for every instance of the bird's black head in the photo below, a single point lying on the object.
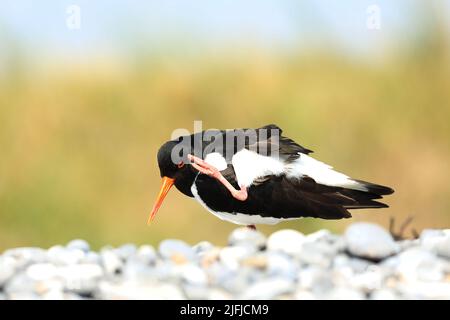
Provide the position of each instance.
(175, 170)
(169, 164)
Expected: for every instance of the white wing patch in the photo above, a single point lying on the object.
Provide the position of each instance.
(217, 160)
(249, 165)
(321, 173)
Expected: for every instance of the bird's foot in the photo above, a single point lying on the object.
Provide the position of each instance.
(205, 168)
(241, 195)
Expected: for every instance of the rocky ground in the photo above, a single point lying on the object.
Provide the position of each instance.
(364, 263)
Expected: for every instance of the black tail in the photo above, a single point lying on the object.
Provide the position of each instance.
(366, 199)
(376, 188)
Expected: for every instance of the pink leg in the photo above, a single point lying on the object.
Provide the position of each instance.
(211, 171)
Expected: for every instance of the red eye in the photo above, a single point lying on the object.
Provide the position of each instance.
(180, 165)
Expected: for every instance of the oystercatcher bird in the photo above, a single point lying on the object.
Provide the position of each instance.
(261, 177)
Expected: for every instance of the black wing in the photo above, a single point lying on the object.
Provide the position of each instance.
(281, 197)
(267, 140)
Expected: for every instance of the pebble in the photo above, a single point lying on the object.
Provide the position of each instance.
(384, 294)
(78, 244)
(268, 289)
(176, 250)
(126, 251)
(437, 241)
(60, 255)
(316, 253)
(315, 279)
(26, 256)
(343, 293)
(82, 278)
(41, 271)
(194, 275)
(111, 262)
(7, 269)
(247, 237)
(231, 256)
(130, 290)
(364, 263)
(370, 241)
(281, 265)
(146, 254)
(288, 241)
(420, 265)
(202, 247)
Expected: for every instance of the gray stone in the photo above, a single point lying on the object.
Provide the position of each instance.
(269, 289)
(79, 244)
(126, 251)
(369, 280)
(24, 296)
(176, 250)
(407, 244)
(231, 257)
(218, 294)
(288, 241)
(82, 278)
(195, 292)
(304, 295)
(315, 279)
(368, 240)
(320, 236)
(147, 255)
(194, 275)
(419, 264)
(343, 293)
(431, 234)
(111, 263)
(247, 237)
(319, 254)
(30, 283)
(7, 269)
(139, 291)
(60, 255)
(443, 247)
(437, 241)
(137, 270)
(384, 294)
(281, 265)
(202, 247)
(425, 290)
(218, 274)
(26, 256)
(92, 257)
(237, 281)
(18, 284)
(41, 271)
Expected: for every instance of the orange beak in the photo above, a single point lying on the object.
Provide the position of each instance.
(167, 183)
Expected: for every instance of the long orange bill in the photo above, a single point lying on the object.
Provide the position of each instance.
(167, 183)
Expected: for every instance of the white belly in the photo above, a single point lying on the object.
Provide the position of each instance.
(237, 218)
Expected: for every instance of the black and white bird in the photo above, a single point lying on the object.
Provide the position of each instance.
(260, 181)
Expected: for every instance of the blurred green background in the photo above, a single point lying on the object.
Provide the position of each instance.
(83, 112)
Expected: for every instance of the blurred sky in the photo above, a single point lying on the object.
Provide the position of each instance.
(114, 27)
